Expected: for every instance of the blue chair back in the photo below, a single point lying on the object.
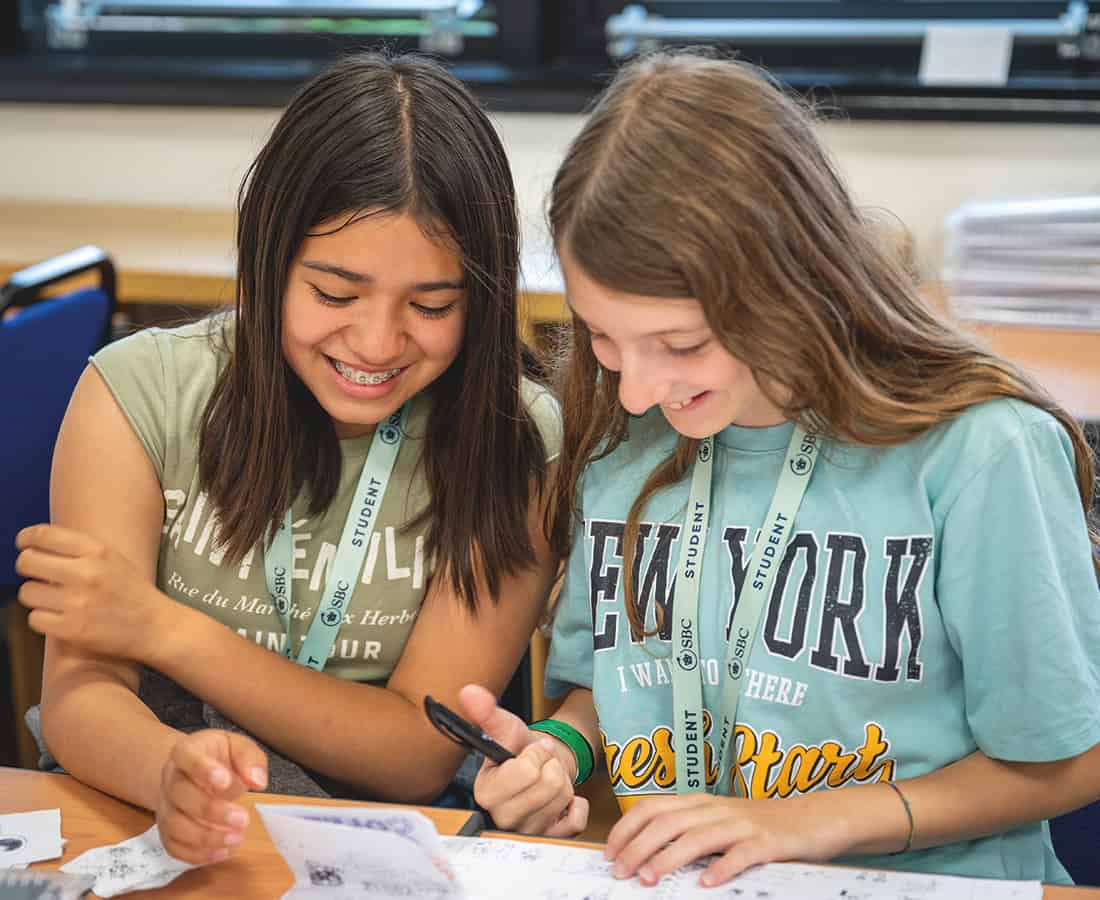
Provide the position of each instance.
(43, 350)
(1076, 839)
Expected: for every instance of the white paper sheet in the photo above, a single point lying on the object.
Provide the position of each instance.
(497, 869)
(30, 837)
(356, 853)
(136, 864)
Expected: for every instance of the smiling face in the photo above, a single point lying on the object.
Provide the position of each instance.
(373, 313)
(666, 354)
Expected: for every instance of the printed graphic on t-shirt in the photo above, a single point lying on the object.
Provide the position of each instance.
(375, 627)
(824, 618)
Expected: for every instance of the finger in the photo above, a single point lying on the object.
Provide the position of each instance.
(539, 808)
(573, 822)
(36, 595)
(702, 839)
(56, 539)
(743, 856)
(192, 756)
(248, 761)
(508, 730)
(661, 830)
(199, 836)
(497, 784)
(47, 623)
(640, 815)
(195, 854)
(208, 810)
(43, 565)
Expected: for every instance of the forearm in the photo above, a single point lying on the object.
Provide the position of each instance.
(356, 733)
(972, 798)
(101, 733)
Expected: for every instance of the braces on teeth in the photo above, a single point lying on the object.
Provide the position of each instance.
(364, 377)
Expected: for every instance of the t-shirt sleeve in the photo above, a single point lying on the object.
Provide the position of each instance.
(570, 662)
(1020, 601)
(545, 411)
(133, 369)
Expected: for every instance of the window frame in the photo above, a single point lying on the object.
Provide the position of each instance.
(551, 55)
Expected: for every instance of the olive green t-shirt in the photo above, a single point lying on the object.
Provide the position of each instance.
(162, 380)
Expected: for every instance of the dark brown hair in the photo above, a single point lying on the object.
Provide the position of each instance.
(698, 177)
(380, 134)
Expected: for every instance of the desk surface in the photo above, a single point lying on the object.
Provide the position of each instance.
(185, 256)
(90, 818)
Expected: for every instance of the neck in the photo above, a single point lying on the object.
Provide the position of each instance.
(760, 413)
(348, 432)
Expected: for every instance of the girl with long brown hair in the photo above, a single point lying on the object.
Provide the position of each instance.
(297, 519)
(831, 591)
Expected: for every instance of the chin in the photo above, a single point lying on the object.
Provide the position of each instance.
(695, 432)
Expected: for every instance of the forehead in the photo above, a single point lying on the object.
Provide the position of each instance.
(393, 241)
(624, 314)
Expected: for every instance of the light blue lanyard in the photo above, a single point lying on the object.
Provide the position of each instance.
(687, 688)
(342, 579)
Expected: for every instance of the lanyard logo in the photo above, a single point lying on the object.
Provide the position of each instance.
(390, 432)
(687, 659)
(803, 462)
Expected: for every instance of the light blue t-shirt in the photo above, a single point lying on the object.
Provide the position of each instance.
(935, 599)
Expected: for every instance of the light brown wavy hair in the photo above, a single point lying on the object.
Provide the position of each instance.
(698, 177)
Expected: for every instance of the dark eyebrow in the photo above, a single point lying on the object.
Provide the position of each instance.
(361, 277)
(339, 272)
(426, 286)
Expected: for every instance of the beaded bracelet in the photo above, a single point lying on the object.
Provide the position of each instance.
(908, 814)
(574, 740)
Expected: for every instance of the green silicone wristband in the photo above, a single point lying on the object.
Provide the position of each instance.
(574, 740)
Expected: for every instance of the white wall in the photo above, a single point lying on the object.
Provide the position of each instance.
(196, 157)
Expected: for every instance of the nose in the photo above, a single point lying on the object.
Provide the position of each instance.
(377, 336)
(640, 385)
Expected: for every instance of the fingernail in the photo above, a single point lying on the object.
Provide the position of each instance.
(619, 871)
(219, 855)
(706, 880)
(236, 818)
(220, 778)
(232, 838)
(646, 874)
(258, 776)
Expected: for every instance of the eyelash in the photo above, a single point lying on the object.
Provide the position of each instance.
(433, 312)
(328, 298)
(428, 312)
(687, 351)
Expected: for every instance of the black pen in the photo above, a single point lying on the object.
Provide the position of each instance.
(465, 733)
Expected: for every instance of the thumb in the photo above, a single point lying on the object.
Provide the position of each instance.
(508, 730)
(248, 761)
